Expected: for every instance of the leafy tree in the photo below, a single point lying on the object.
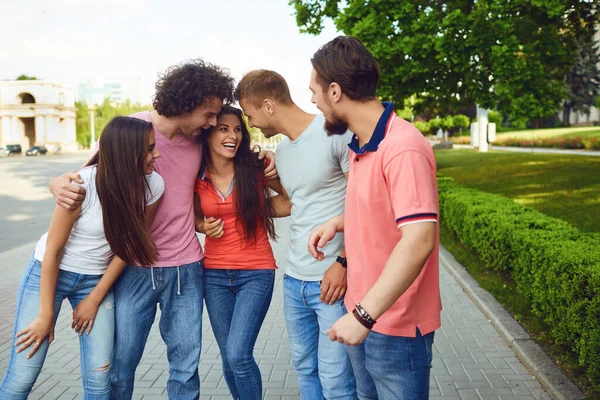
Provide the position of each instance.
(102, 115)
(461, 122)
(512, 56)
(24, 77)
(583, 81)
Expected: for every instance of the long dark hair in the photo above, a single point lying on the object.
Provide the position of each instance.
(252, 200)
(121, 185)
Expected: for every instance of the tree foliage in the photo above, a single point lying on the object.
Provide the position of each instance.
(24, 77)
(102, 115)
(509, 55)
(583, 81)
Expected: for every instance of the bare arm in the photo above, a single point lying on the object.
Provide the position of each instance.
(402, 268)
(281, 202)
(85, 312)
(42, 326)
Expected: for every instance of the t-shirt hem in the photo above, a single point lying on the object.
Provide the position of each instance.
(176, 263)
(311, 278)
(425, 328)
(238, 268)
(81, 271)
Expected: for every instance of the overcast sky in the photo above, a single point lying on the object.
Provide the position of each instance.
(71, 40)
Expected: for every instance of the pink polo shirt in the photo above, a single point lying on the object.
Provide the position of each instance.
(173, 228)
(392, 183)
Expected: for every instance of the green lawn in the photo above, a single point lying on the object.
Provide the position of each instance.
(588, 131)
(562, 186)
(566, 187)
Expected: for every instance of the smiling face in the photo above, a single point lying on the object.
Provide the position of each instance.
(225, 138)
(202, 117)
(152, 154)
(258, 117)
(321, 97)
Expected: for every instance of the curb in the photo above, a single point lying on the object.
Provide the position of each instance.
(532, 356)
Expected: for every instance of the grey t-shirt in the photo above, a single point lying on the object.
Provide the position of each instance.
(311, 169)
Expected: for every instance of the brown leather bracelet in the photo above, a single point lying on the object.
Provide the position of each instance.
(367, 321)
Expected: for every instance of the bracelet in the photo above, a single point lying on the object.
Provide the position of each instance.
(363, 317)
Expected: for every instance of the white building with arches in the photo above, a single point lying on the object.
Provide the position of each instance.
(37, 113)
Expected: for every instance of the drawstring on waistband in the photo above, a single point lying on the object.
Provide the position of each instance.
(152, 274)
(178, 283)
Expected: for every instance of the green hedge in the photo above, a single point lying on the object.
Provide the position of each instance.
(554, 264)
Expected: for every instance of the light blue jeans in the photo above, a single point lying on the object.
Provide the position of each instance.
(95, 348)
(179, 292)
(323, 368)
(237, 302)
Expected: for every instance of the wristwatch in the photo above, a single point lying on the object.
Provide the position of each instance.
(342, 261)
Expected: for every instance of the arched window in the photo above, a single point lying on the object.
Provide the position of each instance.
(26, 98)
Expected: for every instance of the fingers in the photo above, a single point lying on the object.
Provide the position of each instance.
(51, 337)
(214, 229)
(74, 176)
(324, 289)
(324, 239)
(332, 335)
(89, 329)
(81, 329)
(336, 295)
(313, 239)
(28, 342)
(34, 348)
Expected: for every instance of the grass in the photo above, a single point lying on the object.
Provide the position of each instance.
(583, 132)
(562, 186)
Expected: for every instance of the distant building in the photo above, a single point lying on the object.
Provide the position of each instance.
(116, 90)
(37, 113)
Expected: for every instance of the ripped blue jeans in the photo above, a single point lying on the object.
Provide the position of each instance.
(95, 348)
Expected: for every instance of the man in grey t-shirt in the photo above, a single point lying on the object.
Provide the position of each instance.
(313, 170)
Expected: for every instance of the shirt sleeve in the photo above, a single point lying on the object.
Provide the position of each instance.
(412, 187)
(157, 188)
(87, 175)
(341, 152)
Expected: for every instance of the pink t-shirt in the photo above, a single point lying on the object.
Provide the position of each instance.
(392, 183)
(173, 229)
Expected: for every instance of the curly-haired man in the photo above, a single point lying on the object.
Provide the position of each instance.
(187, 100)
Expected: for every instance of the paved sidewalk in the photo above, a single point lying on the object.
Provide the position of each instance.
(471, 360)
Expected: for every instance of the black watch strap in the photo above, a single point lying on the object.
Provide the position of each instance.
(342, 261)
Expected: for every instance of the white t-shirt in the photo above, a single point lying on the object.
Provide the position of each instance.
(87, 251)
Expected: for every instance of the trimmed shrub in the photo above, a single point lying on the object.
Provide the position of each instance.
(554, 264)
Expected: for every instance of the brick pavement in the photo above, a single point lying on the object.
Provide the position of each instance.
(471, 360)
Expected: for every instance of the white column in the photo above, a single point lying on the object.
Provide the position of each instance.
(475, 134)
(482, 118)
(14, 131)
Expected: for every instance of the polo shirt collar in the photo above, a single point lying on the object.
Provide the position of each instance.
(378, 133)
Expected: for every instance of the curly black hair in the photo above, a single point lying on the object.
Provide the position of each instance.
(184, 87)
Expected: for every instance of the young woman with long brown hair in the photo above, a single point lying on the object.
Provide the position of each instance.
(81, 256)
(235, 210)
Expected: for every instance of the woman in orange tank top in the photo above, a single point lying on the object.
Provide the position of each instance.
(235, 210)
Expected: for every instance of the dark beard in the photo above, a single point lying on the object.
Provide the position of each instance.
(336, 127)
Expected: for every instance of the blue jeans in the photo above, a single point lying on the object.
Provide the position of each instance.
(178, 291)
(392, 367)
(322, 366)
(237, 302)
(95, 348)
